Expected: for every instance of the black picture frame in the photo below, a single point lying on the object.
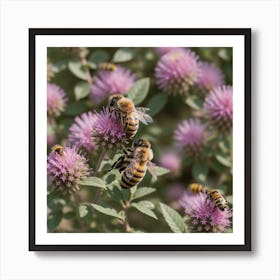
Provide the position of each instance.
(246, 32)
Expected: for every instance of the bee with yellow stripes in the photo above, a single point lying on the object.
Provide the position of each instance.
(106, 66)
(134, 163)
(214, 195)
(58, 149)
(129, 114)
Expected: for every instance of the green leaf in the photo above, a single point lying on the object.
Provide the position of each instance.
(98, 57)
(83, 211)
(69, 215)
(173, 218)
(145, 208)
(200, 171)
(139, 90)
(81, 90)
(123, 55)
(108, 211)
(160, 170)
(142, 191)
(94, 182)
(114, 192)
(223, 160)
(76, 108)
(229, 199)
(194, 102)
(77, 69)
(54, 219)
(59, 66)
(157, 103)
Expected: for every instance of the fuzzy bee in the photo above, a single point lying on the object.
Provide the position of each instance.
(58, 149)
(107, 67)
(215, 196)
(129, 114)
(134, 163)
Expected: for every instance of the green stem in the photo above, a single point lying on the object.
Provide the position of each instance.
(95, 172)
(127, 227)
(85, 63)
(77, 204)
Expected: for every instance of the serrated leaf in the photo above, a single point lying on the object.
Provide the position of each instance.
(200, 171)
(123, 55)
(173, 218)
(139, 90)
(157, 103)
(54, 219)
(83, 211)
(81, 90)
(77, 69)
(94, 182)
(98, 57)
(145, 208)
(224, 161)
(107, 211)
(142, 191)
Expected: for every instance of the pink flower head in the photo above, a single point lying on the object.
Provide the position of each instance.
(164, 50)
(107, 83)
(210, 76)
(191, 136)
(66, 169)
(176, 71)
(204, 216)
(108, 130)
(56, 100)
(171, 161)
(81, 132)
(218, 107)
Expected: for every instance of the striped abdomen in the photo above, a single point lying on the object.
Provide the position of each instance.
(131, 124)
(197, 188)
(218, 199)
(133, 175)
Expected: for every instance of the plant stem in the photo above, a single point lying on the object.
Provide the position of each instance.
(77, 204)
(101, 157)
(127, 227)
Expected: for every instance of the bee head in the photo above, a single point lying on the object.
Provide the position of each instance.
(141, 143)
(113, 100)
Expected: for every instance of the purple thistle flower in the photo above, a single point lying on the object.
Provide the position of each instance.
(218, 107)
(108, 130)
(107, 83)
(176, 71)
(171, 161)
(56, 100)
(191, 136)
(210, 76)
(65, 171)
(81, 132)
(204, 216)
(162, 51)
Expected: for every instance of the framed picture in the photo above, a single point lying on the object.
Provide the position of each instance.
(140, 139)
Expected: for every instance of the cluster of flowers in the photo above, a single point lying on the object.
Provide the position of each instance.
(177, 70)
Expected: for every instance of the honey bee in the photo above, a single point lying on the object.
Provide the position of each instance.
(134, 163)
(129, 114)
(58, 149)
(213, 195)
(107, 67)
(196, 188)
(218, 199)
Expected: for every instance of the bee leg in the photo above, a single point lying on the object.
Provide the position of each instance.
(118, 162)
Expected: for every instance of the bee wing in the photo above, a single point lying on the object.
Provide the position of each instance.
(143, 116)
